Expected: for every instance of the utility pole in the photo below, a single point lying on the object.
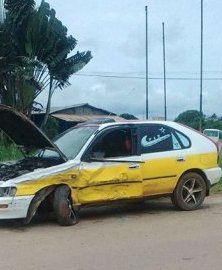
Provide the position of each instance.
(147, 107)
(164, 75)
(201, 69)
(2, 13)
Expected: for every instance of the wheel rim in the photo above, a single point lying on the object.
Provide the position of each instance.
(192, 191)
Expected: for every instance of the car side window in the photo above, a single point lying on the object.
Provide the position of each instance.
(184, 139)
(116, 143)
(176, 144)
(157, 138)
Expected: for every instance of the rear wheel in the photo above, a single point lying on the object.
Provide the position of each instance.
(190, 192)
(62, 205)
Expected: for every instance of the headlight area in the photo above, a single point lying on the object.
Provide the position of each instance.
(11, 205)
(7, 191)
(5, 194)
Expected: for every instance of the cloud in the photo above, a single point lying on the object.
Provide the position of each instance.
(115, 33)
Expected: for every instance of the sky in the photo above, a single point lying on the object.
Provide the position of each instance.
(114, 31)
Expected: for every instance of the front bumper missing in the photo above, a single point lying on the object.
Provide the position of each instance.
(14, 207)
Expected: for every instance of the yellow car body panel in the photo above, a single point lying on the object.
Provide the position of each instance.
(108, 182)
(93, 183)
(160, 176)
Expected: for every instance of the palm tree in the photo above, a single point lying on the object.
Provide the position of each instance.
(35, 54)
(54, 47)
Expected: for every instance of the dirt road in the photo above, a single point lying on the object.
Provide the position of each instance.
(147, 236)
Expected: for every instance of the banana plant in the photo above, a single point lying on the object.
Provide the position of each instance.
(36, 54)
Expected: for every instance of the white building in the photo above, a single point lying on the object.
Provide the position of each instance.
(2, 12)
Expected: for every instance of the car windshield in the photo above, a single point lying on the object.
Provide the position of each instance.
(71, 142)
(211, 133)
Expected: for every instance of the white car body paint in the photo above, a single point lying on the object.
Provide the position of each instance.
(213, 175)
(17, 206)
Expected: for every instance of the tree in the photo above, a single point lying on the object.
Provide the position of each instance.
(213, 122)
(17, 83)
(190, 118)
(128, 116)
(34, 54)
(213, 116)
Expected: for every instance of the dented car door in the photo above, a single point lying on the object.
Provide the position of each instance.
(109, 180)
(112, 170)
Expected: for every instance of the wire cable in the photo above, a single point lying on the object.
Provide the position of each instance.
(150, 78)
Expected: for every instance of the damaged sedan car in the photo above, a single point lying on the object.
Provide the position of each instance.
(101, 162)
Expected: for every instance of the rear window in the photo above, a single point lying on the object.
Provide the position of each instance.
(161, 138)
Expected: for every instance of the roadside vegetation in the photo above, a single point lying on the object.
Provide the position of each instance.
(9, 152)
(217, 188)
(191, 118)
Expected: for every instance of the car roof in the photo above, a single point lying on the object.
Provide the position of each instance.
(131, 122)
(139, 122)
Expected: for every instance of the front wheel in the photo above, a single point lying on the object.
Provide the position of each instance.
(190, 192)
(62, 205)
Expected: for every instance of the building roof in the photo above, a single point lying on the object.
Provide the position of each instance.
(57, 110)
(83, 118)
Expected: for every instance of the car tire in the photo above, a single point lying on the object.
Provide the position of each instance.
(62, 205)
(190, 192)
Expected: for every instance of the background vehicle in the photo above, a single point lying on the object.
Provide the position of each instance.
(215, 135)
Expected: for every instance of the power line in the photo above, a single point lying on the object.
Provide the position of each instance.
(153, 72)
(150, 78)
(147, 86)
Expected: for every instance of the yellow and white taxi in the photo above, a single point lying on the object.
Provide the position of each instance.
(98, 163)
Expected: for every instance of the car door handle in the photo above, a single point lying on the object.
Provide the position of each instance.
(134, 166)
(180, 159)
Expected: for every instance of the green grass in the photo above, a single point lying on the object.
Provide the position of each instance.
(218, 187)
(9, 152)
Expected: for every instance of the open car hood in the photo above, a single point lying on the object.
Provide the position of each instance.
(24, 132)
